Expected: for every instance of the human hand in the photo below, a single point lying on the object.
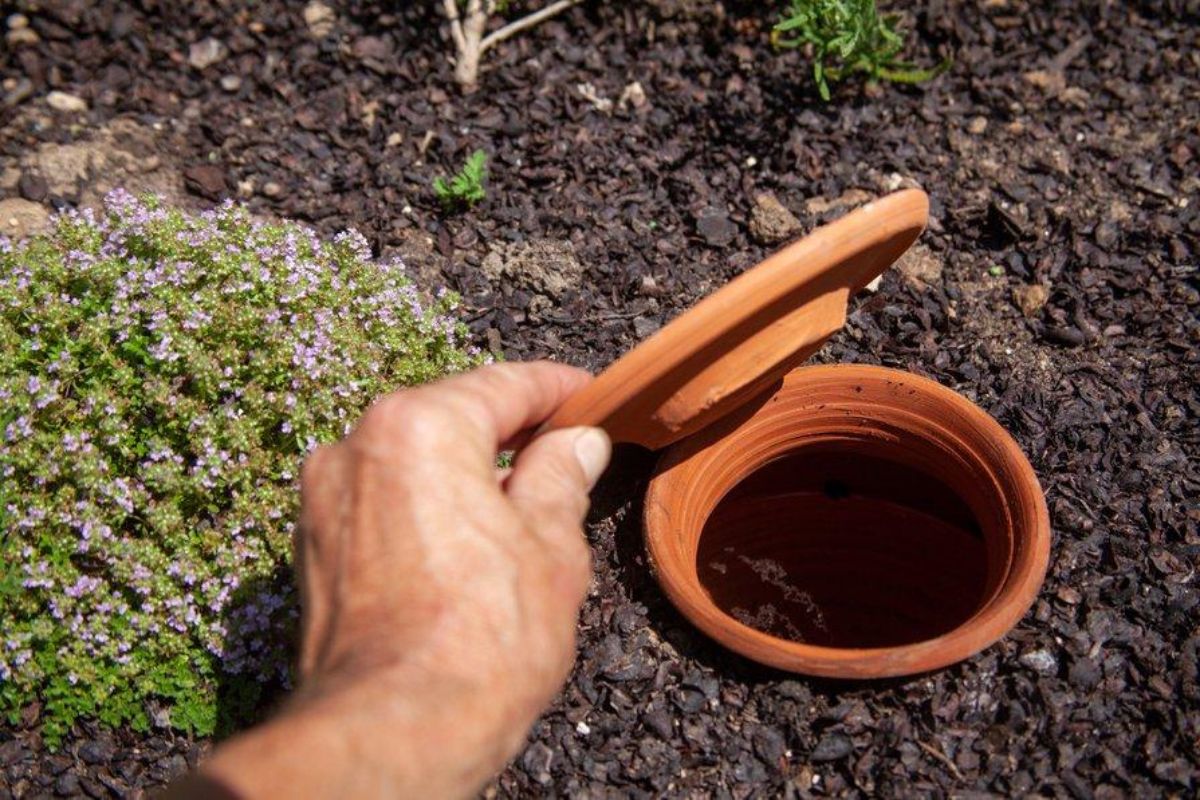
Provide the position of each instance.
(439, 594)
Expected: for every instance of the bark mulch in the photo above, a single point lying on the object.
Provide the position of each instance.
(1056, 286)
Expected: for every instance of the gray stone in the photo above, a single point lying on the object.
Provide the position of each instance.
(715, 227)
(1040, 661)
(644, 327)
(33, 186)
(537, 762)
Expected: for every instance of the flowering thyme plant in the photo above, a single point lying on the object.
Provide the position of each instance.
(161, 378)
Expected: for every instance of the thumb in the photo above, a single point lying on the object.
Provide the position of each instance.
(551, 478)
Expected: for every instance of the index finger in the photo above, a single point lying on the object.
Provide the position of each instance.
(493, 404)
(501, 400)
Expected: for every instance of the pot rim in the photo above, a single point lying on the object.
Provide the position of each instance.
(1001, 609)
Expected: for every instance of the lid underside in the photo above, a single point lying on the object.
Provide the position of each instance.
(739, 341)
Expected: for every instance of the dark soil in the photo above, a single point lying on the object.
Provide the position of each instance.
(1061, 150)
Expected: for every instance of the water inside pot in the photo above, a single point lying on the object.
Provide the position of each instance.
(844, 549)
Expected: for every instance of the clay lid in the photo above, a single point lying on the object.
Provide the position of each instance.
(739, 341)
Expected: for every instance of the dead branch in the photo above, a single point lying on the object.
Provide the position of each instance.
(526, 22)
(467, 28)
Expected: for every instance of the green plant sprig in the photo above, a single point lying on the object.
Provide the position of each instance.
(849, 36)
(464, 189)
(163, 375)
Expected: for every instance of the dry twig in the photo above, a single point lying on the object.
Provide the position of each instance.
(466, 29)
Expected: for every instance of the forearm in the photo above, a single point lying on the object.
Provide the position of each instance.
(330, 747)
(297, 754)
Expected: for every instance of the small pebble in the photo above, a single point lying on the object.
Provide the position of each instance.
(206, 52)
(319, 18)
(633, 95)
(770, 220)
(644, 327)
(715, 227)
(33, 186)
(21, 36)
(1068, 595)
(66, 103)
(1041, 661)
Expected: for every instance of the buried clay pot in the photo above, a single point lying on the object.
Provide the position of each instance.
(863, 522)
(845, 521)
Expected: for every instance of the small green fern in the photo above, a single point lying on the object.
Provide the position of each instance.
(849, 36)
(466, 188)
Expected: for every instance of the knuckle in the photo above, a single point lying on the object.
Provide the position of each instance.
(383, 413)
(487, 380)
(500, 373)
(492, 372)
(402, 417)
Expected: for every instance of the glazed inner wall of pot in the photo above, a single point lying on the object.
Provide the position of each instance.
(845, 545)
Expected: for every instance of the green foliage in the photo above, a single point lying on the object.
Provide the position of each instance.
(162, 377)
(848, 36)
(466, 188)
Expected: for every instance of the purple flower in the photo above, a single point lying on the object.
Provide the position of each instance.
(17, 429)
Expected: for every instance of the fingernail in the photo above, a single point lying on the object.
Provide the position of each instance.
(592, 449)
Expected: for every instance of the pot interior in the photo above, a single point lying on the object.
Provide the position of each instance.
(834, 546)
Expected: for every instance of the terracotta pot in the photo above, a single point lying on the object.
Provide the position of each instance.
(862, 522)
(840, 521)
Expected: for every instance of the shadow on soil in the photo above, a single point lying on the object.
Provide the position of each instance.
(620, 497)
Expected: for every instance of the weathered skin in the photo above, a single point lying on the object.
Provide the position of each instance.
(439, 595)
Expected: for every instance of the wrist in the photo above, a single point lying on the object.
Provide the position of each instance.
(329, 741)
